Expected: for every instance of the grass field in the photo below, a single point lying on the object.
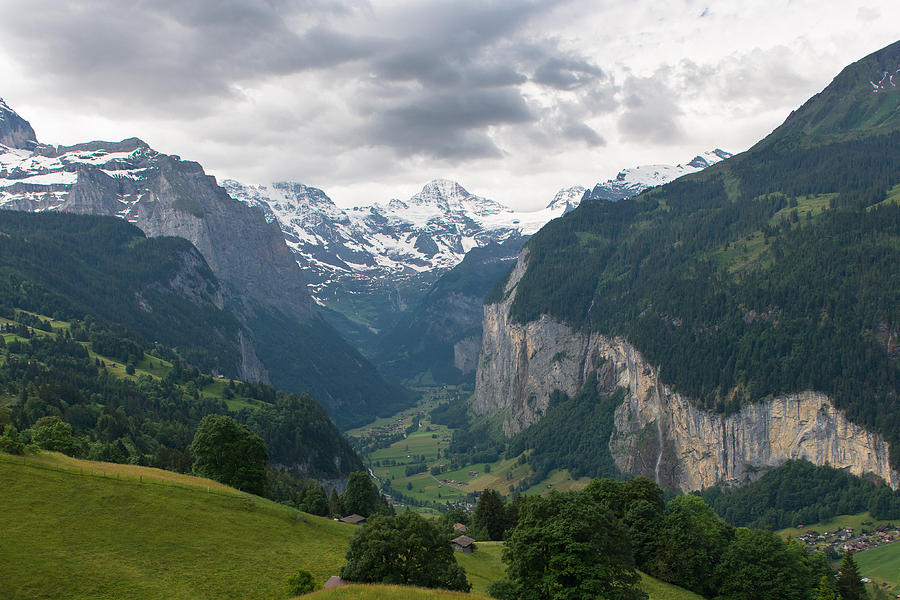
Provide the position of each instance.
(60, 462)
(483, 566)
(385, 592)
(659, 590)
(77, 529)
(857, 521)
(72, 535)
(881, 564)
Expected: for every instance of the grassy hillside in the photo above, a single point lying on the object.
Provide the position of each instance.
(484, 566)
(880, 564)
(72, 535)
(385, 592)
(657, 590)
(660, 590)
(77, 529)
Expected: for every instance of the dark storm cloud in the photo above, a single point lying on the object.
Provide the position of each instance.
(449, 126)
(462, 72)
(426, 79)
(584, 133)
(567, 74)
(158, 51)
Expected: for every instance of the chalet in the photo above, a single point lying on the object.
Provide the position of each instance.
(353, 519)
(333, 582)
(463, 544)
(460, 527)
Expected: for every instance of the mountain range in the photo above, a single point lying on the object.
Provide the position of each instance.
(371, 263)
(695, 324)
(282, 338)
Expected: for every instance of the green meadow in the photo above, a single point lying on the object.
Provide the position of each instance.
(81, 529)
(69, 534)
(881, 564)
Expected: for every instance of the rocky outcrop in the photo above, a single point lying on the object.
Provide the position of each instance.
(658, 432)
(465, 354)
(15, 132)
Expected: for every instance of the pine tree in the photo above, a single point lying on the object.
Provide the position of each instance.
(490, 515)
(361, 497)
(825, 590)
(849, 583)
(334, 504)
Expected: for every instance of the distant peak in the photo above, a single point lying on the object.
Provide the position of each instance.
(701, 161)
(442, 189)
(15, 132)
(567, 198)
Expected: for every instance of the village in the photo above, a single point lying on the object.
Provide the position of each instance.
(848, 538)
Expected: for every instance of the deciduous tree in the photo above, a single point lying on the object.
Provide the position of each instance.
(759, 566)
(692, 541)
(566, 547)
(229, 452)
(407, 550)
(361, 497)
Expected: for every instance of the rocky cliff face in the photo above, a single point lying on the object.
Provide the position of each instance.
(166, 196)
(15, 131)
(659, 433)
(282, 336)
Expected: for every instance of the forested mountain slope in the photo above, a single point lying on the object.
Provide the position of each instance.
(286, 342)
(136, 317)
(442, 335)
(769, 276)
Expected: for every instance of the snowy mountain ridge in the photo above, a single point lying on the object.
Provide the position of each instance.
(429, 232)
(386, 253)
(630, 182)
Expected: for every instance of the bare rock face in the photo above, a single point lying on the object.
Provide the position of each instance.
(658, 432)
(465, 354)
(241, 247)
(15, 132)
(165, 196)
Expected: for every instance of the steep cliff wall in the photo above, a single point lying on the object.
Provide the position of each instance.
(659, 433)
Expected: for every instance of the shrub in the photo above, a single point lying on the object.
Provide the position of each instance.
(301, 582)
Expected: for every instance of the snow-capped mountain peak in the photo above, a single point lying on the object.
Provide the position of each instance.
(450, 197)
(567, 199)
(441, 192)
(707, 159)
(630, 182)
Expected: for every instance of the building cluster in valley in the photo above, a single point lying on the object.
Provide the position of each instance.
(851, 539)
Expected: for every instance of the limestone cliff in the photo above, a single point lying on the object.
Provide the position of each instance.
(658, 432)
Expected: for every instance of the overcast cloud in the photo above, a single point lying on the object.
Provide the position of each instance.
(370, 100)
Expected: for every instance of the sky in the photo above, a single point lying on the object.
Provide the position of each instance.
(370, 100)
